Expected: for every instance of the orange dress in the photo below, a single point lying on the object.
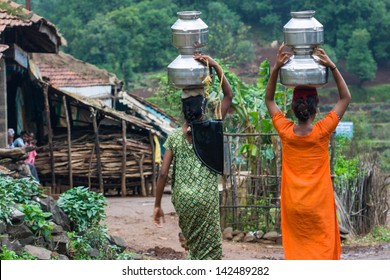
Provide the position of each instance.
(308, 209)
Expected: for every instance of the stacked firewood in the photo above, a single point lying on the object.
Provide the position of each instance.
(84, 157)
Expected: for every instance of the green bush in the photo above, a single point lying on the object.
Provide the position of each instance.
(84, 208)
(36, 219)
(96, 237)
(13, 191)
(6, 254)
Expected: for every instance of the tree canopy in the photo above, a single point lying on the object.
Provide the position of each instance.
(130, 37)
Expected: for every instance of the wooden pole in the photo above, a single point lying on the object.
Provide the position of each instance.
(89, 167)
(69, 142)
(98, 155)
(50, 136)
(141, 171)
(140, 161)
(124, 159)
(153, 190)
(3, 105)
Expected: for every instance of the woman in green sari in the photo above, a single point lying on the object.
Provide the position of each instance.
(194, 186)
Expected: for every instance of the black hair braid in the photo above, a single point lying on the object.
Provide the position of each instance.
(304, 108)
(189, 114)
(193, 108)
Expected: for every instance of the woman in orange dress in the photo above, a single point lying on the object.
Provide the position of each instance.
(308, 209)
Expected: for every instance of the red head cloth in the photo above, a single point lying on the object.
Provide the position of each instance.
(303, 92)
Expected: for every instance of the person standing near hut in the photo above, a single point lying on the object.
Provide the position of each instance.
(21, 141)
(195, 193)
(308, 209)
(11, 136)
(26, 139)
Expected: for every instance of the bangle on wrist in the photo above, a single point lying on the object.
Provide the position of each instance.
(334, 68)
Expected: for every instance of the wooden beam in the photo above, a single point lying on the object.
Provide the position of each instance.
(124, 160)
(98, 154)
(69, 141)
(3, 105)
(140, 161)
(50, 136)
(151, 138)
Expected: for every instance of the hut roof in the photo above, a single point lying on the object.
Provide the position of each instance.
(64, 70)
(39, 35)
(107, 111)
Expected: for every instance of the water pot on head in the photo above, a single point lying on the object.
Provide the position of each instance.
(302, 34)
(189, 35)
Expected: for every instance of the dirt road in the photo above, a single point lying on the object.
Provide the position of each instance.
(131, 219)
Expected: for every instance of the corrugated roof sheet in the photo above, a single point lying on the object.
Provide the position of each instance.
(108, 112)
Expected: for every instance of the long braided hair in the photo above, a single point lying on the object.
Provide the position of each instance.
(193, 108)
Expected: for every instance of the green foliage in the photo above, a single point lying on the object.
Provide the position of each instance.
(258, 218)
(129, 37)
(22, 189)
(6, 254)
(36, 219)
(123, 41)
(367, 94)
(379, 234)
(251, 114)
(5, 6)
(82, 243)
(166, 96)
(14, 191)
(346, 163)
(6, 202)
(84, 208)
(359, 57)
(227, 35)
(126, 256)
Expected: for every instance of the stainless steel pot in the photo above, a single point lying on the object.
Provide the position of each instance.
(302, 34)
(185, 72)
(303, 31)
(189, 34)
(303, 70)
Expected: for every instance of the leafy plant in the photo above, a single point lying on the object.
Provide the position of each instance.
(22, 190)
(6, 202)
(126, 256)
(84, 208)
(36, 219)
(344, 168)
(13, 191)
(96, 237)
(379, 234)
(7, 254)
(77, 247)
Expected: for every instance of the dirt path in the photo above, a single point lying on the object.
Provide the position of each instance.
(131, 219)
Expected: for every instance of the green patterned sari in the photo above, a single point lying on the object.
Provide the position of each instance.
(196, 200)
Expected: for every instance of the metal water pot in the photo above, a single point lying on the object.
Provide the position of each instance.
(189, 34)
(302, 34)
(185, 72)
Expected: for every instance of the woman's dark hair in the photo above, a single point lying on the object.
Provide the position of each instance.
(193, 108)
(305, 107)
